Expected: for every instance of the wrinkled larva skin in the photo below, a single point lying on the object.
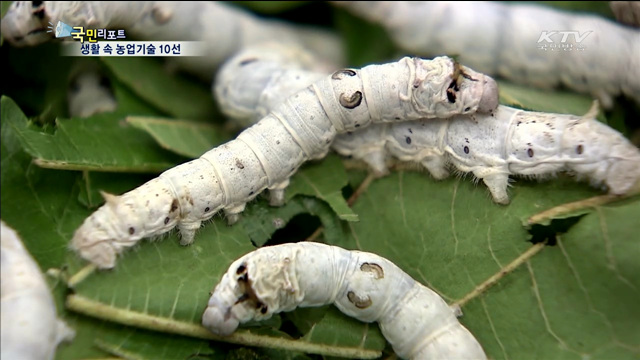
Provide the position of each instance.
(414, 319)
(505, 40)
(267, 154)
(222, 29)
(30, 328)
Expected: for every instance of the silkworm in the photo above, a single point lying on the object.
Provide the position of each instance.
(507, 142)
(268, 153)
(222, 29)
(414, 319)
(586, 53)
(492, 146)
(89, 93)
(30, 328)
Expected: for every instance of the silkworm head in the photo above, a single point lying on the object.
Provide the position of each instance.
(233, 301)
(122, 221)
(477, 92)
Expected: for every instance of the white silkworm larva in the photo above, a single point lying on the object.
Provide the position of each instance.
(414, 319)
(222, 29)
(506, 40)
(89, 93)
(508, 142)
(491, 146)
(268, 153)
(30, 328)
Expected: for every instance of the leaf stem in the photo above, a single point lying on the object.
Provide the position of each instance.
(499, 275)
(81, 275)
(572, 207)
(102, 311)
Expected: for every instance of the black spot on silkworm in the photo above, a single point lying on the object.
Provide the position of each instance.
(466, 140)
(132, 230)
(206, 209)
(519, 122)
(408, 140)
(466, 149)
(352, 101)
(374, 268)
(166, 220)
(277, 142)
(39, 14)
(251, 193)
(263, 309)
(241, 269)
(248, 61)
(397, 118)
(467, 109)
(530, 152)
(174, 205)
(579, 149)
(357, 301)
(239, 164)
(340, 74)
(357, 125)
(157, 195)
(410, 131)
(451, 96)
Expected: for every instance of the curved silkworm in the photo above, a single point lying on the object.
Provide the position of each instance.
(30, 328)
(492, 146)
(265, 155)
(583, 52)
(414, 319)
(222, 29)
